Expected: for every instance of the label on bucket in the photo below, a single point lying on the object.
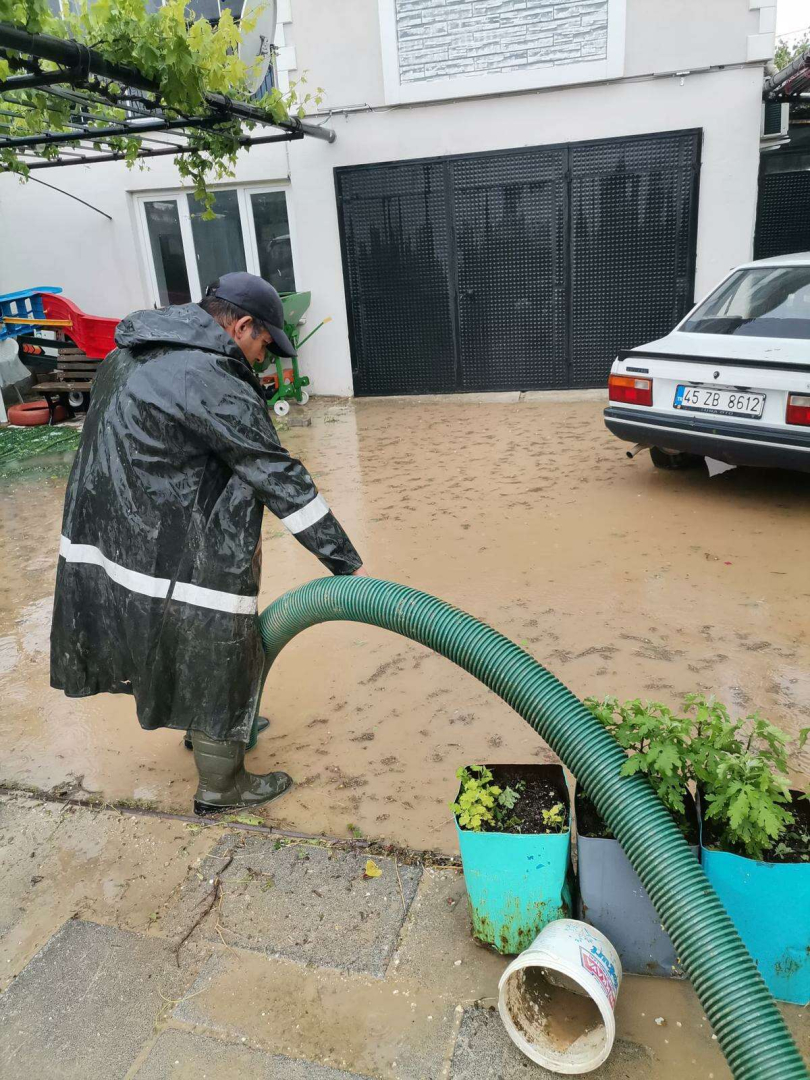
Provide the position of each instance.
(601, 968)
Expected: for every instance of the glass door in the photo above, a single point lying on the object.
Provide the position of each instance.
(170, 276)
(250, 230)
(271, 230)
(219, 246)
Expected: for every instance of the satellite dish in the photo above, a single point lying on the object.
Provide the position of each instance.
(257, 44)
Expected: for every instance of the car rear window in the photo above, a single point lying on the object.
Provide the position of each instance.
(769, 302)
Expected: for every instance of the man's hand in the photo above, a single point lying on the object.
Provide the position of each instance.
(360, 572)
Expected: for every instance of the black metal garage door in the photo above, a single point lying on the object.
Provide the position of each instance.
(516, 270)
(783, 210)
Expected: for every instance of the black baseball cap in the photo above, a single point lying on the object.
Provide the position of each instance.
(258, 298)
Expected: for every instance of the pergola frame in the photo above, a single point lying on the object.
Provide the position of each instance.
(83, 76)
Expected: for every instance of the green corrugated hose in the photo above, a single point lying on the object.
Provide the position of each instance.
(742, 1012)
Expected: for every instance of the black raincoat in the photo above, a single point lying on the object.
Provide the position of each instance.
(160, 558)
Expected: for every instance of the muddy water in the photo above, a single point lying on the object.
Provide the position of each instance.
(553, 1018)
(620, 578)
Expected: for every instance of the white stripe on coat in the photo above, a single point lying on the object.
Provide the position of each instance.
(183, 591)
(212, 598)
(130, 579)
(307, 515)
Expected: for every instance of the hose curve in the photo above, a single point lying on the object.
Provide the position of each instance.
(744, 1016)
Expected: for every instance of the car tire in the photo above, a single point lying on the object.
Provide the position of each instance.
(664, 459)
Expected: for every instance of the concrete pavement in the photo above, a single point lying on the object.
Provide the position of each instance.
(144, 946)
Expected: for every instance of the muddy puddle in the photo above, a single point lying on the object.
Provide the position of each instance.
(620, 578)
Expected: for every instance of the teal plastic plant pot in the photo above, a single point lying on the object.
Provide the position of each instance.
(769, 904)
(612, 899)
(517, 883)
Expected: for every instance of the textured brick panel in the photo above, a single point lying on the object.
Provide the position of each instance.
(442, 39)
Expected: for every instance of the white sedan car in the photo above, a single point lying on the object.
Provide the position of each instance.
(731, 383)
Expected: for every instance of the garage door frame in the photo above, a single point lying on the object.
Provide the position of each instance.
(683, 287)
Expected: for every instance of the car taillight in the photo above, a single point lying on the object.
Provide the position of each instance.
(798, 410)
(631, 390)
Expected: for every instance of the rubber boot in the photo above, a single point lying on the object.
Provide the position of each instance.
(224, 783)
(262, 724)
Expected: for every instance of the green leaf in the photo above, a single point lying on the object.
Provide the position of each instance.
(738, 808)
(243, 819)
(667, 759)
(508, 797)
(633, 765)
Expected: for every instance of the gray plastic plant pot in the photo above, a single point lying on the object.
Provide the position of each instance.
(612, 898)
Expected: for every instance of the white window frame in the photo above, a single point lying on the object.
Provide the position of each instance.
(460, 86)
(181, 197)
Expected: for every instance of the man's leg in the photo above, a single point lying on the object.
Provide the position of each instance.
(260, 723)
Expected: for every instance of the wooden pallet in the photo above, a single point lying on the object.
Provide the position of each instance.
(75, 373)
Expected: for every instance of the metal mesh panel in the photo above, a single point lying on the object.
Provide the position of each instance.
(783, 220)
(509, 217)
(395, 240)
(632, 205)
(516, 271)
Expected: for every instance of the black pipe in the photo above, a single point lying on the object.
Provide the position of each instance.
(288, 136)
(44, 78)
(126, 130)
(70, 195)
(71, 54)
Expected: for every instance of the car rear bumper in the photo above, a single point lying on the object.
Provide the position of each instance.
(737, 444)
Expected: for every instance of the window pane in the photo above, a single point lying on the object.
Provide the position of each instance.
(218, 243)
(773, 302)
(273, 239)
(166, 242)
(203, 9)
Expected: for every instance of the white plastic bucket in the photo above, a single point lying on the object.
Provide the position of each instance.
(557, 998)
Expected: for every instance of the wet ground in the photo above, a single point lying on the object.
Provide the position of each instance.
(620, 578)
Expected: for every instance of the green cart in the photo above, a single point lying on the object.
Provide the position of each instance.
(289, 384)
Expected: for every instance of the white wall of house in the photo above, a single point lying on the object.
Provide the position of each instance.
(675, 76)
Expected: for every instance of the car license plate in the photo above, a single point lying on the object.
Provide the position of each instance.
(707, 399)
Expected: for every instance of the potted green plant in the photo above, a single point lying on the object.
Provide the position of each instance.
(755, 842)
(513, 825)
(754, 835)
(611, 896)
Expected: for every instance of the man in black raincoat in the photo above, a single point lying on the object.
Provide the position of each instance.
(160, 558)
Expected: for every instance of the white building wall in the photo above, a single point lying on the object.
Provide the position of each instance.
(724, 104)
(47, 239)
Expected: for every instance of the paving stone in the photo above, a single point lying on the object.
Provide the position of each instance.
(178, 1055)
(57, 862)
(383, 1029)
(436, 936)
(23, 836)
(85, 1004)
(308, 903)
(485, 1052)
